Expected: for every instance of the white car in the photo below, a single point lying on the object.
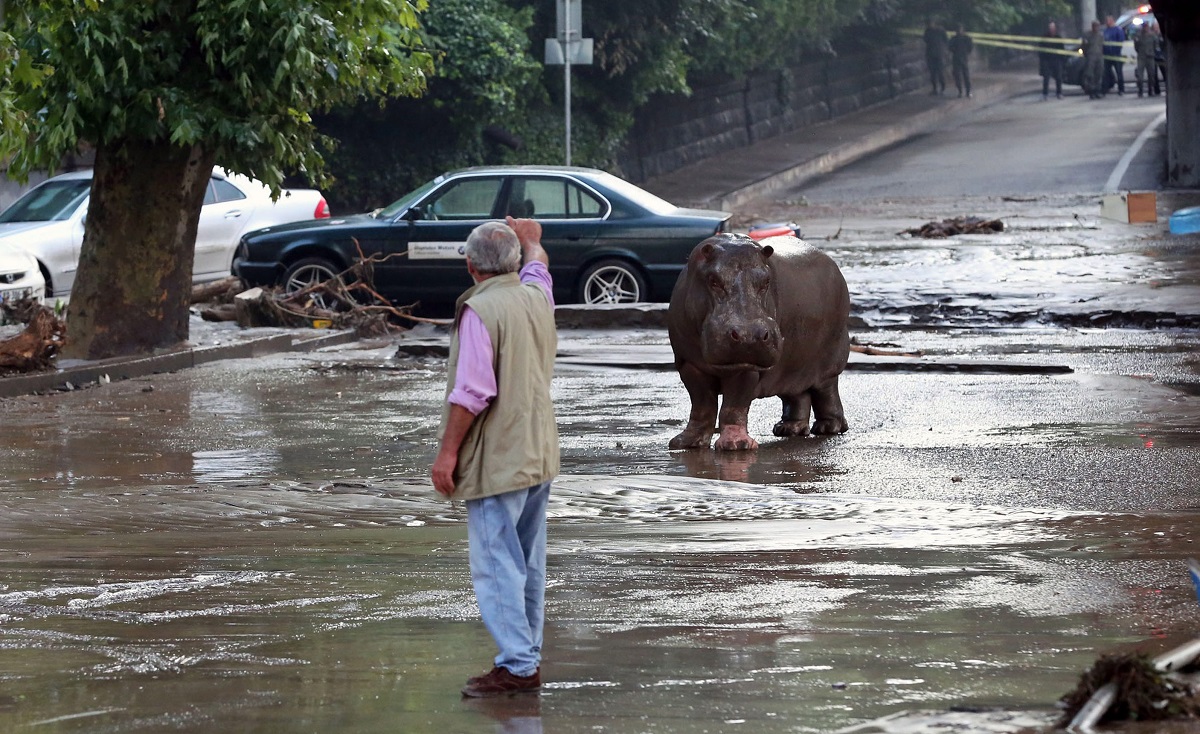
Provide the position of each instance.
(19, 275)
(48, 222)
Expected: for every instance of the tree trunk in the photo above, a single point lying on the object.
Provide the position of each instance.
(134, 284)
(1183, 113)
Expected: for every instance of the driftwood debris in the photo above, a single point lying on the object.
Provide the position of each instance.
(216, 298)
(346, 301)
(35, 348)
(1129, 687)
(955, 226)
(882, 350)
(217, 291)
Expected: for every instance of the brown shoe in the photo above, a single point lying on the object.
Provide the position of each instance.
(476, 678)
(501, 682)
(493, 671)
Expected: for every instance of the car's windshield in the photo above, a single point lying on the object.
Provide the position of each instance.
(51, 202)
(394, 209)
(638, 196)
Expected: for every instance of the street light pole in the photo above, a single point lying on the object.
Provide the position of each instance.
(566, 44)
(569, 47)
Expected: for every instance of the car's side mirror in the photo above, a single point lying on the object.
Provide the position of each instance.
(414, 214)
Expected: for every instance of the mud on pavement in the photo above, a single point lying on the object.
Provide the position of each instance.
(253, 544)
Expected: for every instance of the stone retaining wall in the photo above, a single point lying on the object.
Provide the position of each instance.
(675, 131)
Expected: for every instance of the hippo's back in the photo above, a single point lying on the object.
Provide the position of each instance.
(813, 310)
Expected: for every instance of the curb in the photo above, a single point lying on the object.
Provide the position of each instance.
(885, 137)
(124, 368)
(611, 316)
(857, 363)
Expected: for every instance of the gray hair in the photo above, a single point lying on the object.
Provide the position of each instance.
(494, 249)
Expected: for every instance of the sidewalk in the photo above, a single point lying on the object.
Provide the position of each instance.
(208, 342)
(729, 180)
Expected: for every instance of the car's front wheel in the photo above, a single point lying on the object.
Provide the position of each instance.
(612, 281)
(308, 272)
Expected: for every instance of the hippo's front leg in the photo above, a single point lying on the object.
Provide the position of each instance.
(702, 389)
(737, 392)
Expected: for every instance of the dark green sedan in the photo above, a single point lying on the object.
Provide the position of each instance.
(608, 240)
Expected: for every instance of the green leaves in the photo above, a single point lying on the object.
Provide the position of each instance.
(483, 60)
(24, 72)
(238, 77)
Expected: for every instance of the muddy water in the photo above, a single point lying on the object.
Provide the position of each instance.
(253, 547)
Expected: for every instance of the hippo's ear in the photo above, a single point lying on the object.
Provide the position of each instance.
(707, 251)
(767, 251)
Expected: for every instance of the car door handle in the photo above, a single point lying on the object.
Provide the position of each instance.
(574, 238)
(233, 213)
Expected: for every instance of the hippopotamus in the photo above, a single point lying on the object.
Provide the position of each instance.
(752, 319)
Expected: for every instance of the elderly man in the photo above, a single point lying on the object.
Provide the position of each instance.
(499, 443)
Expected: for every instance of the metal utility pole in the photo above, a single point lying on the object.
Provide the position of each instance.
(566, 44)
(569, 48)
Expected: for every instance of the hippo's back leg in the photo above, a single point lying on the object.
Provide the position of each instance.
(796, 410)
(827, 407)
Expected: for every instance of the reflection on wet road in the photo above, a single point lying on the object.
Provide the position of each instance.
(255, 548)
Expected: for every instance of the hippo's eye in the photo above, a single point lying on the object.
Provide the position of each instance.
(715, 283)
(763, 285)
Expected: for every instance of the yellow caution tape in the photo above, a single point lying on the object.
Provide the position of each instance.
(1042, 49)
(1005, 37)
(1033, 43)
(1020, 39)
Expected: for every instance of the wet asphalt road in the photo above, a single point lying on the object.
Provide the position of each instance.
(1023, 147)
(253, 545)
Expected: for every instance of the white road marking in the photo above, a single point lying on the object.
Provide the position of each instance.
(69, 717)
(1114, 179)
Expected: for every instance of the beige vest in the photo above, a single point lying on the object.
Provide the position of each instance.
(513, 443)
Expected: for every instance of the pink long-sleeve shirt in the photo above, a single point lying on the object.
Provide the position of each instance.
(475, 378)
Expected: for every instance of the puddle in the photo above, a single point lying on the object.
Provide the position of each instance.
(257, 548)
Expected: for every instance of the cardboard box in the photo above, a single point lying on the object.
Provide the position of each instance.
(1130, 207)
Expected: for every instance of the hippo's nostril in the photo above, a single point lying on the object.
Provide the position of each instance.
(734, 335)
(764, 335)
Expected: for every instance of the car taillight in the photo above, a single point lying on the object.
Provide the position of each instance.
(322, 210)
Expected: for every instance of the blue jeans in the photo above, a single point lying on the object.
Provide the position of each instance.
(507, 549)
